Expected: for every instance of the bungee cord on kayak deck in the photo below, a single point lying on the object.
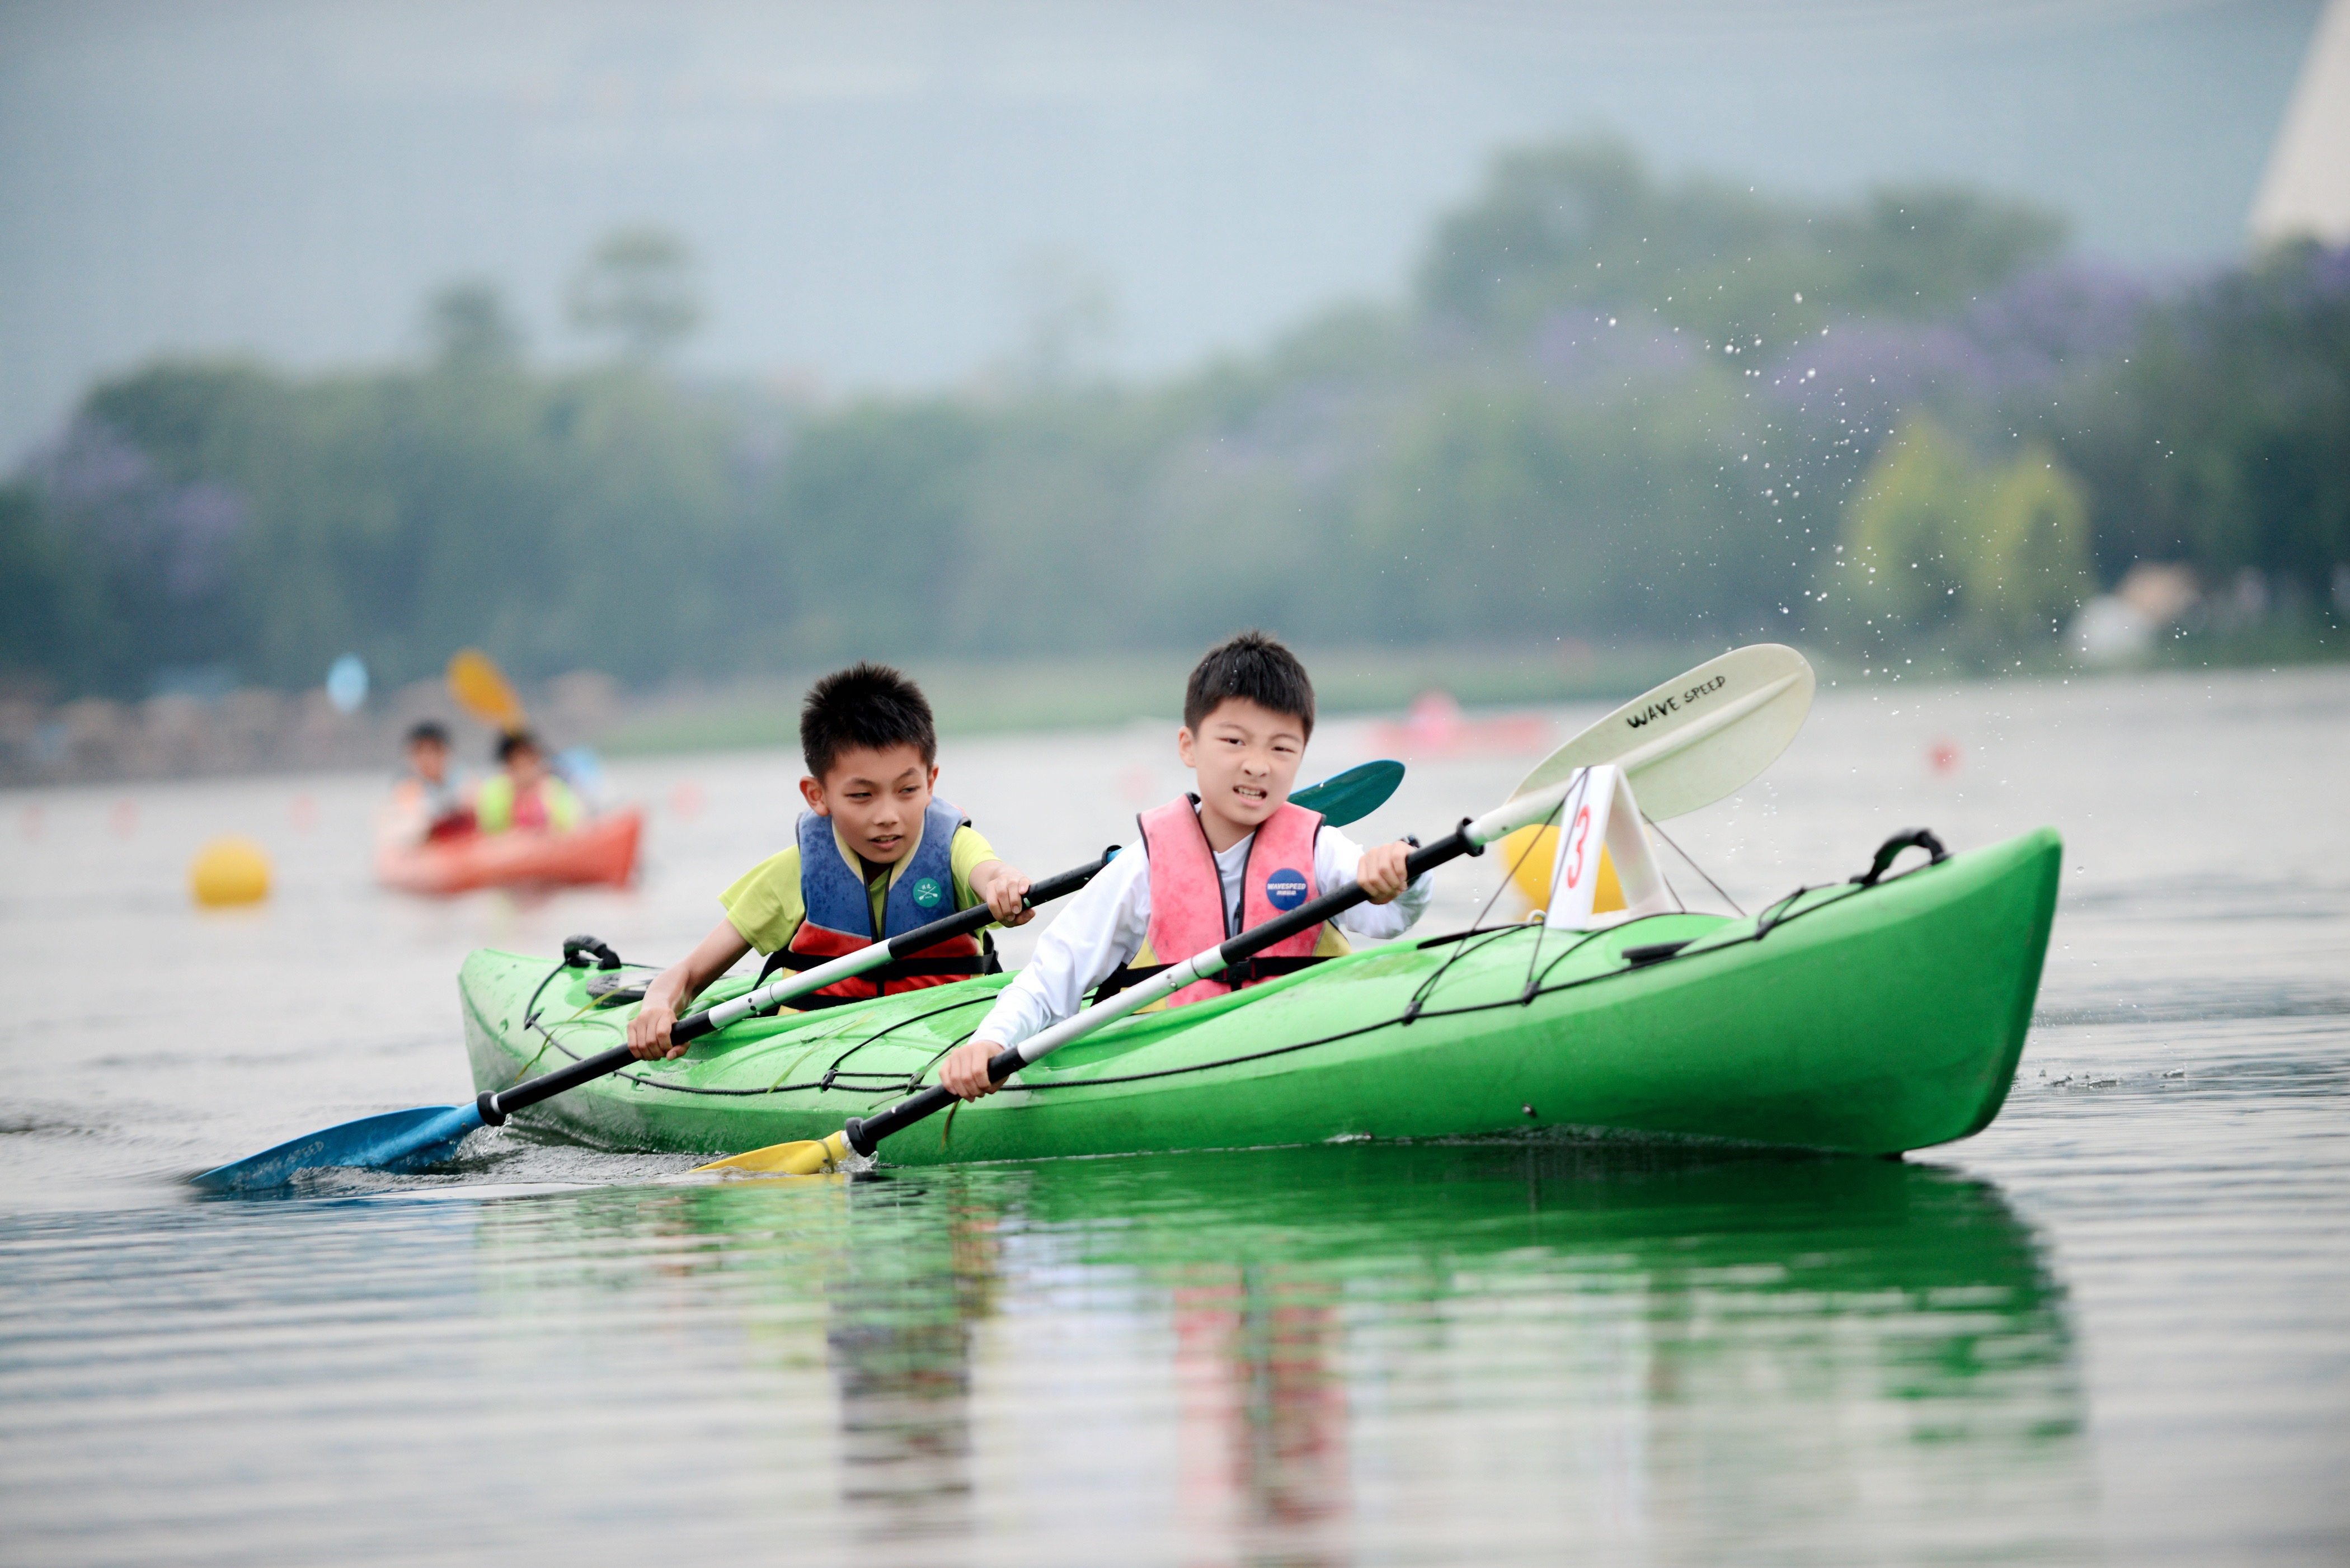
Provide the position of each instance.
(1780, 912)
(1690, 861)
(834, 1075)
(1842, 895)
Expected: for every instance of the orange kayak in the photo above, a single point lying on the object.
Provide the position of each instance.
(603, 851)
(1437, 728)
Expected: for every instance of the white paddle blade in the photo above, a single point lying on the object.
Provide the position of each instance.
(1699, 736)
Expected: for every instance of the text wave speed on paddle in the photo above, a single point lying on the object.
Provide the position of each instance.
(1698, 737)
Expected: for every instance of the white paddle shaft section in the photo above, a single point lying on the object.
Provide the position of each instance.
(1507, 817)
(847, 966)
(1141, 994)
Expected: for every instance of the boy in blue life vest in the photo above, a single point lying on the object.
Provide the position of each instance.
(878, 855)
(1209, 865)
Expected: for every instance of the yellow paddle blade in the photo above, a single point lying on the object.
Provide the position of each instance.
(788, 1158)
(481, 689)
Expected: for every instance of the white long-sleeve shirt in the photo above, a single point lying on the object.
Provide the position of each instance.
(1104, 926)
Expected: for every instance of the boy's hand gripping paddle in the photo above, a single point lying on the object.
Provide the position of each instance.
(1699, 737)
(406, 1140)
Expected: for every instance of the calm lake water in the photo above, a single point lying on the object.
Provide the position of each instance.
(2115, 1327)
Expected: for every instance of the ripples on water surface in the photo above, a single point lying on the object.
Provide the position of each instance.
(2114, 1327)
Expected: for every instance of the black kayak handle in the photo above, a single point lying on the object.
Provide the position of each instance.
(578, 950)
(1907, 838)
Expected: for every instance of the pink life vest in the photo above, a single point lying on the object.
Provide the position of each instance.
(1187, 898)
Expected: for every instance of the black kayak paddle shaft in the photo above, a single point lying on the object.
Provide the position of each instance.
(865, 1132)
(496, 1105)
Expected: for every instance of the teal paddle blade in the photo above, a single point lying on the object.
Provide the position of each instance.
(392, 1140)
(1351, 795)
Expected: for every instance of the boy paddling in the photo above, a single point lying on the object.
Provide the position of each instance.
(1209, 866)
(877, 855)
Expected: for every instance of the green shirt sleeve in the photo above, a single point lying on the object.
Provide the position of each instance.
(764, 903)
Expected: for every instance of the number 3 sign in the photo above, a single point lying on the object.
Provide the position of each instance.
(1604, 812)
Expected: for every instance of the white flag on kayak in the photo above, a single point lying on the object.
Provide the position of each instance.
(1599, 816)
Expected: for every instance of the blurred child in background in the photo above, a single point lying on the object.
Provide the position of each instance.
(426, 803)
(526, 796)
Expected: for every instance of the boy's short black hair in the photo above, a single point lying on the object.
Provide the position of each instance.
(1256, 669)
(428, 730)
(514, 740)
(869, 705)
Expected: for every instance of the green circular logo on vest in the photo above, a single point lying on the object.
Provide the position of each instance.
(928, 894)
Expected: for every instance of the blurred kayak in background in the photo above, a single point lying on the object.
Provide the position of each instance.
(603, 851)
(1435, 727)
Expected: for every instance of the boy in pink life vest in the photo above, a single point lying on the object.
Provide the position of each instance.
(1210, 866)
(875, 855)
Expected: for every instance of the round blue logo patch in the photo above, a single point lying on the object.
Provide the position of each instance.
(1285, 889)
(928, 894)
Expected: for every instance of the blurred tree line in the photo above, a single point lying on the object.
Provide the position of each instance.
(1616, 407)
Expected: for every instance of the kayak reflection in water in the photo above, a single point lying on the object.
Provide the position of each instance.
(526, 796)
(426, 806)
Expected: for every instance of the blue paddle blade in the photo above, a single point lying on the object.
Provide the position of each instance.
(1351, 795)
(394, 1140)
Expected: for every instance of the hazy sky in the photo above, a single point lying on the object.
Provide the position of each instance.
(863, 181)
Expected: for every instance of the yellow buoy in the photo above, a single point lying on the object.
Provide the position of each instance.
(229, 871)
(1528, 854)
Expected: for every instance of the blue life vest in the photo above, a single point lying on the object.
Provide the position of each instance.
(837, 911)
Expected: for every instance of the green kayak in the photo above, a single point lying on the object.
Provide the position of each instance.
(1863, 1018)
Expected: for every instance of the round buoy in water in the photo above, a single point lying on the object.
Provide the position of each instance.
(1529, 855)
(1526, 854)
(229, 871)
